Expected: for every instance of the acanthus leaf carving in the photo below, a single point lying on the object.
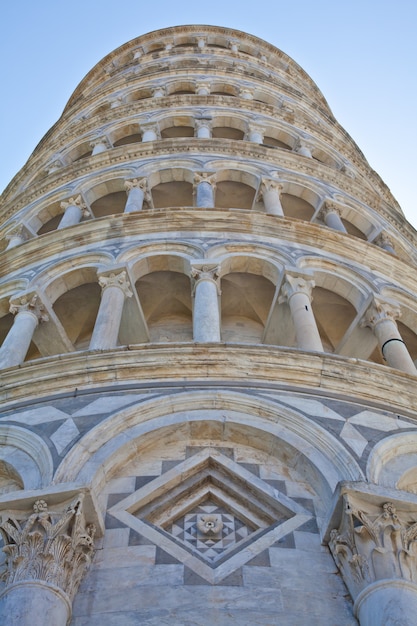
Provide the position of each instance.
(49, 546)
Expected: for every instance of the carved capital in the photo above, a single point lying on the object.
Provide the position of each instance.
(158, 91)
(234, 45)
(100, 140)
(205, 271)
(30, 303)
(78, 202)
(246, 92)
(304, 147)
(205, 177)
(18, 231)
(201, 42)
(116, 280)
(383, 241)
(136, 183)
(150, 127)
(330, 207)
(51, 546)
(203, 123)
(374, 542)
(296, 284)
(202, 87)
(269, 184)
(380, 311)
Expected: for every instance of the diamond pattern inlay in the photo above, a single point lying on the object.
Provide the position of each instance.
(210, 513)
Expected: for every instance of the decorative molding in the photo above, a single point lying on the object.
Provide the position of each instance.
(47, 545)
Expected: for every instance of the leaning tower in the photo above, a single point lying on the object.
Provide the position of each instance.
(208, 307)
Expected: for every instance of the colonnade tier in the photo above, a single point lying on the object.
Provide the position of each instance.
(238, 299)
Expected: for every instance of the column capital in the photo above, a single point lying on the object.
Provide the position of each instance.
(119, 280)
(158, 91)
(372, 537)
(136, 183)
(78, 201)
(329, 206)
(304, 147)
(205, 271)
(201, 42)
(150, 127)
(380, 311)
(205, 177)
(29, 303)
(296, 283)
(203, 123)
(234, 45)
(53, 546)
(202, 85)
(100, 140)
(18, 230)
(271, 184)
(383, 240)
(246, 92)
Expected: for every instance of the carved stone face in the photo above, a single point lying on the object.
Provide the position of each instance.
(209, 524)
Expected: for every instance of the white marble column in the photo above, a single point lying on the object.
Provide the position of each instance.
(204, 188)
(136, 190)
(16, 236)
(203, 128)
(255, 133)
(270, 191)
(304, 148)
(115, 289)
(99, 144)
(202, 88)
(150, 132)
(74, 210)
(297, 291)
(384, 242)
(29, 312)
(206, 314)
(381, 317)
(47, 556)
(331, 215)
(374, 547)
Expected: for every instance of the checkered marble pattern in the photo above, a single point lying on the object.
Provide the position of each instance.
(212, 545)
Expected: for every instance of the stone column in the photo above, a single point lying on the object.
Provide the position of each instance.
(16, 236)
(271, 194)
(331, 215)
(255, 133)
(201, 43)
(381, 317)
(204, 188)
(136, 190)
(47, 554)
(150, 132)
(203, 128)
(115, 289)
(374, 547)
(74, 210)
(384, 242)
(297, 291)
(202, 88)
(99, 144)
(29, 312)
(206, 315)
(304, 148)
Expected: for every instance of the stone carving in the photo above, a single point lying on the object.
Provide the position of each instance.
(205, 177)
(296, 284)
(18, 232)
(30, 303)
(49, 546)
(209, 524)
(205, 271)
(116, 280)
(370, 547)
(329, 207)
(77, 202)
(380, 311)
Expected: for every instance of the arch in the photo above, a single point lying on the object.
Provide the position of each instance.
(265, 423)
(126, 134)
(299, 201)
(393, 461)
(172, 187)
(28, 455)
(235, 189)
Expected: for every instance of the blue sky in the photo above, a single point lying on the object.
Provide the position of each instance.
(362, 55)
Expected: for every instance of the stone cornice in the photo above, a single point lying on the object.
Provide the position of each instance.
(146, 365)
(313, 237)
